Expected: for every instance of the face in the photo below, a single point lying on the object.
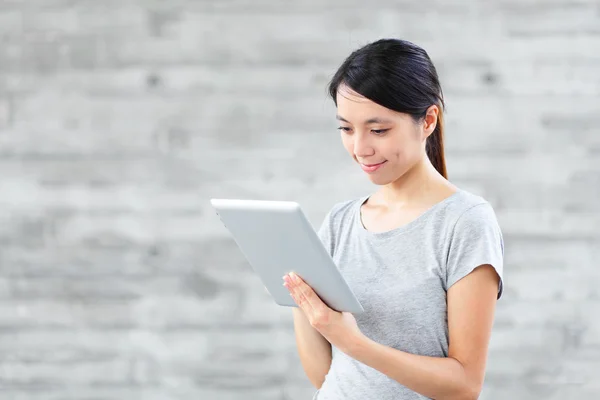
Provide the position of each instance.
(373, 134)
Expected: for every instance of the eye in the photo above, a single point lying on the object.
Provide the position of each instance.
(375, 131)
(379, 131)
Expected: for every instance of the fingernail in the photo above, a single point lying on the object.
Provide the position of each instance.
(294, 277)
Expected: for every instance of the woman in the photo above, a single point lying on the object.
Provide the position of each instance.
(424, 257)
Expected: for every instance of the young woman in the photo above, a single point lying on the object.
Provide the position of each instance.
(424, 257)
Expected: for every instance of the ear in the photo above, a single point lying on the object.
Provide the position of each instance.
(430, 121)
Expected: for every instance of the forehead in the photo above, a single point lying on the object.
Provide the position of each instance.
(346, 94)
(354, 107)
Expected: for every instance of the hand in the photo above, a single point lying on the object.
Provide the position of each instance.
(339, 328)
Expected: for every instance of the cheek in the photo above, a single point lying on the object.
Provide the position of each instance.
(400, 147)
(400, 155)
(347, 142)
(405, 151)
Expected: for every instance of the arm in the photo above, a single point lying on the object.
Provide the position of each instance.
(471, 307)
(313, 349)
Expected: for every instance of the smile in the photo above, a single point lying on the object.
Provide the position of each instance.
(372, 167)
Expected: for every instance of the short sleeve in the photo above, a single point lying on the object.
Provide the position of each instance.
(475, 240)
(324, 233)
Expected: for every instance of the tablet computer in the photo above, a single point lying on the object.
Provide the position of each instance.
(276, 238)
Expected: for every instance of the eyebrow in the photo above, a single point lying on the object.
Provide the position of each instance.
(375, 120)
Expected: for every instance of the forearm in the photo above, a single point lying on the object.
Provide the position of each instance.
(313, 349)
(440, 378)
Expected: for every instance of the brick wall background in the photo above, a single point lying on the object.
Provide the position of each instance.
(120, 119)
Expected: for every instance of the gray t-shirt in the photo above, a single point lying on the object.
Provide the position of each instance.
(401, 277)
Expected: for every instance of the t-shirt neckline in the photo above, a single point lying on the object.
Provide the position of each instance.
(403, 228)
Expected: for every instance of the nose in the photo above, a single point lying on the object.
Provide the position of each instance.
(362, 146)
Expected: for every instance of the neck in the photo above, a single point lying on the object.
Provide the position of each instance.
(419, 183)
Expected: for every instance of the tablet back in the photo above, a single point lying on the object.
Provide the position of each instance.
(277, 238)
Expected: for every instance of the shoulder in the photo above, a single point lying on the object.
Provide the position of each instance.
(340, 210)
(337, 217)
(470, 209)
(340, 214)
(474, 220)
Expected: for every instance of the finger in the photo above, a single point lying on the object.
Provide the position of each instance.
(306, 293)
(294, 288)
(301, 302)
(299, 296)
(318, 313)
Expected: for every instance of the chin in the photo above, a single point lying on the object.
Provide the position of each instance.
(380, 180)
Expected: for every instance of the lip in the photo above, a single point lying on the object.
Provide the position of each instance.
(371, 167)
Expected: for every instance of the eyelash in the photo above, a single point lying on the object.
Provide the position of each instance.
(377, 132)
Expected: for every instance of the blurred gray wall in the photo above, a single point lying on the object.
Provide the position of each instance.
(120, 119)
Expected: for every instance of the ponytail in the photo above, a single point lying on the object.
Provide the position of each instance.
(435, 146)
